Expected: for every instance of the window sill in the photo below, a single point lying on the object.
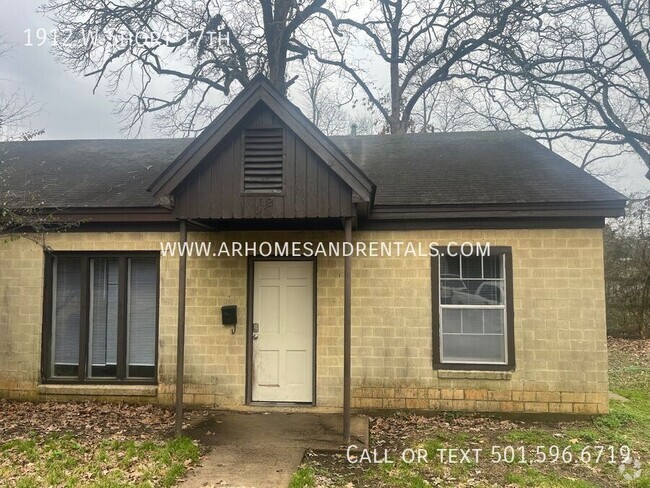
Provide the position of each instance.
(474, 375)
(99, 390)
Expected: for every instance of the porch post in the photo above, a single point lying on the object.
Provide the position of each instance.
(347, 335)
(180, 335)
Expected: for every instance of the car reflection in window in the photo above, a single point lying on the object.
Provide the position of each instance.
(455, 291)
(491, 291)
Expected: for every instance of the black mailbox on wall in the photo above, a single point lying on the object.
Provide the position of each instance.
(229, 316)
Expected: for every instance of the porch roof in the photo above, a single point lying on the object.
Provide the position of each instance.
(260, 92)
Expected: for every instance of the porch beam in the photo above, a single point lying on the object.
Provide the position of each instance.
(347, 335)
(180, 335)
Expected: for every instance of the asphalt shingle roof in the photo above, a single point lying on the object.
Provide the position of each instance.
(88, 173)
(410, 169)
(469, 168)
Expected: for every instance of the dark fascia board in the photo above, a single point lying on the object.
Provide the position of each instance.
(547, 215)
(200, 147)
(488, 223)
(109, 214)
(614, 208)
(261, 91)
(132, 224)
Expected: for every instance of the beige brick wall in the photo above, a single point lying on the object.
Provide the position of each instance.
(560, 335)
(21, 282)
(21, 306)
(559, 322)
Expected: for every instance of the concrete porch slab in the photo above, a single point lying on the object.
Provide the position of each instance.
(264, 449)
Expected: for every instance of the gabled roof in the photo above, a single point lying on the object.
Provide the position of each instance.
(259, 91)
(476, 171)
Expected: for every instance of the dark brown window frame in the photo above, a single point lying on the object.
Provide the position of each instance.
(435, 313)
(46, 349)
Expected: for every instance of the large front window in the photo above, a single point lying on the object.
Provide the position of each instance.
(101, 317)
(473, 311)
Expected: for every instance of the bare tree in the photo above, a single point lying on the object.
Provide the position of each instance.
(20, 213)
(202, 49)
(321, 92)
(329, 101)
(445, 107)
(23, 212)
(21, 208)
(561, 70)
(15, 107)
(487, 108)
(627, 271)
(422, 43)
(582, 72)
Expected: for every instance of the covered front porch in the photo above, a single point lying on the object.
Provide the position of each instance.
(262, 331)
(262, 166)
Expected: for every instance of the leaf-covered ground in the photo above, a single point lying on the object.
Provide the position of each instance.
(629, 364)
(568, 454)
(106, 445)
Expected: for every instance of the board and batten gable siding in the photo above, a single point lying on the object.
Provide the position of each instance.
(310, 188)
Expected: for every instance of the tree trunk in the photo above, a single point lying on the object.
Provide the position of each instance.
(395, 122)
(275, 23)
(276, 58)
(643, 315)
(277, 69)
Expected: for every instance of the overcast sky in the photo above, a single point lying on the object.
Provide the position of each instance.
(72, 111)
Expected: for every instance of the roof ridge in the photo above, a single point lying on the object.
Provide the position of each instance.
(423, 134)
(149, 139)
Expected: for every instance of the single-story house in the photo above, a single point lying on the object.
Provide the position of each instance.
(403, 320)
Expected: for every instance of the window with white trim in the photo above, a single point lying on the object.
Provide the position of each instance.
(473, 311)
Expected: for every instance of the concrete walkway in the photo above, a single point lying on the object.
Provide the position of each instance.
(618, 398)
(264, 449)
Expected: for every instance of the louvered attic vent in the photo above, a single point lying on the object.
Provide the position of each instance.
(263, 160)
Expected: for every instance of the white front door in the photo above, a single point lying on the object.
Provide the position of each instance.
(283, 331)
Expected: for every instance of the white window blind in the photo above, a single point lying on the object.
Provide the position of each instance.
(141, 316)
(66, 316)
(103, 308)
(104, 294)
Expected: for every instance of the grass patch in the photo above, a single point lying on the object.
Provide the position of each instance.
(398, 475)
(534, 478)
(627, 424)
(63, 460)
(532, 437)
(303, 478)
